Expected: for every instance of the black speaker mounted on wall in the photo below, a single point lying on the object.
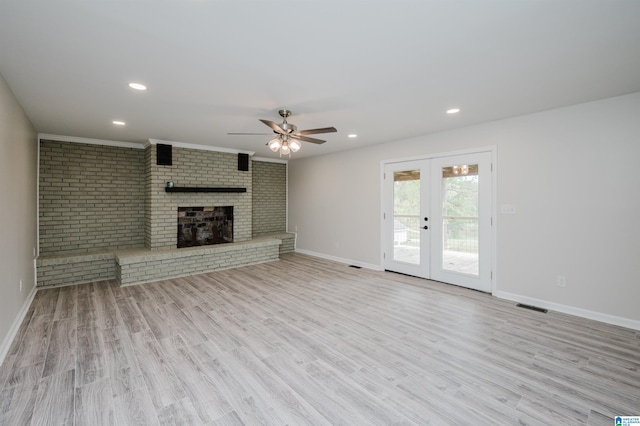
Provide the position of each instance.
(243, 162)
(164, 155)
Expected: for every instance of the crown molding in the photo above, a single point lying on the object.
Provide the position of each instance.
(270, 160)
(199, 147)
(76, 139)
(135, 145)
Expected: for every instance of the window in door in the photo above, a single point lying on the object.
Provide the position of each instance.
(460, 219)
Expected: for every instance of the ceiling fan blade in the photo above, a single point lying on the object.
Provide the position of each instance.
(276, 128)
(307, 139)
(261, 134)
(314, 131)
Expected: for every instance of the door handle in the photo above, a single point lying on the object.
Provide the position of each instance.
(425, 227)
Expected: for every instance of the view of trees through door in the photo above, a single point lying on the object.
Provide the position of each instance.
(460, 219)
(406, 213)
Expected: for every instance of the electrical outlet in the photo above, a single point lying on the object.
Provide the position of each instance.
(561, 281)
(20, 286)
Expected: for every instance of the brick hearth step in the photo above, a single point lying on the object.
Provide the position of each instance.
(136, 266)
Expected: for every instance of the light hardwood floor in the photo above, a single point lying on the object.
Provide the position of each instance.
(307, 341)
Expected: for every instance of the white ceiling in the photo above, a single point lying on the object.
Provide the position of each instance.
(385, 70)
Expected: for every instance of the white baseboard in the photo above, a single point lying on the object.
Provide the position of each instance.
(571, 310)
(565, 309)
(8, 339)
(340, 260)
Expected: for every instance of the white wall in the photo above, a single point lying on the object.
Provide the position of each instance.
(18, 234)
(572, 173)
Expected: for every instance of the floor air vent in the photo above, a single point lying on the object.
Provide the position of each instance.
(533, 308)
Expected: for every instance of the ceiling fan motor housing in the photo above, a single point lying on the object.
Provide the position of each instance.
(287, 127)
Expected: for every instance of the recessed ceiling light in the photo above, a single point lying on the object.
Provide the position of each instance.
(118, 122)
(453, 111)
(352, 135)
(137, 86)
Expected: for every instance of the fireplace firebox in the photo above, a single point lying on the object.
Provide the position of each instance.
(201, 226)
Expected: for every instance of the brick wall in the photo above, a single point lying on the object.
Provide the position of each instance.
(95, 197)
(165, 264)
(269, 197)
(76, 269)
(91, 197)
(193, 168)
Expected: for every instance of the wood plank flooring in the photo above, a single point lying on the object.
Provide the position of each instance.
(306, 341)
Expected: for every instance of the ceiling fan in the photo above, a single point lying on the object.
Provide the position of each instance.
(288, 136)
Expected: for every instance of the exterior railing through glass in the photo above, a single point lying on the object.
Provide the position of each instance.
(460, 234)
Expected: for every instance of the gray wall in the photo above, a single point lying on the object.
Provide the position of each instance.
(269, 197)
(18, 237)
(572, 174)
(91, 197)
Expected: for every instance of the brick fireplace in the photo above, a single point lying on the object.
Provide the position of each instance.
(193, 168)
(130, 233)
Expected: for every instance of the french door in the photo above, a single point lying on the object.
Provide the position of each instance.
(437, 219)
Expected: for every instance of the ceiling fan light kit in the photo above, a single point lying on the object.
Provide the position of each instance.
(275, 144)
(295, 145)
(288, 137)
(285, 144)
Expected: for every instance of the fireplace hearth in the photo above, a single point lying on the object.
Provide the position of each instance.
(202, 226)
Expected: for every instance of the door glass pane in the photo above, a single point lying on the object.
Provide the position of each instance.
(460, 219)
(406, 216)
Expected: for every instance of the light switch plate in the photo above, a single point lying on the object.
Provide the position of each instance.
(508, 209)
